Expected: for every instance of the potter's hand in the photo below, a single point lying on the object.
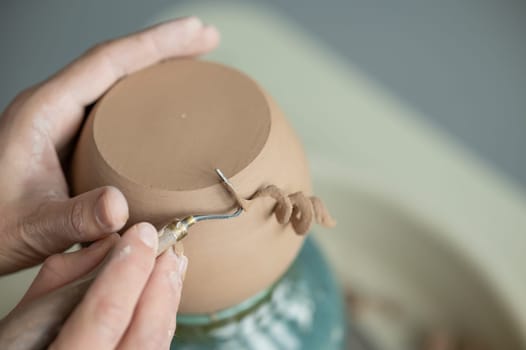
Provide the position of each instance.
(37, 218)
(131, 304)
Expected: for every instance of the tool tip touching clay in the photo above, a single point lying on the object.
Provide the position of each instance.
(177, 229)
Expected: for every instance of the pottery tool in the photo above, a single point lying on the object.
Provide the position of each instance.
(35, 325)
(178, 229)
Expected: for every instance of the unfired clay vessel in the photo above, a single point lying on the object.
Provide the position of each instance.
(159, 134)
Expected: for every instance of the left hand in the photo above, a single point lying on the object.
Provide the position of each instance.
(37, 217)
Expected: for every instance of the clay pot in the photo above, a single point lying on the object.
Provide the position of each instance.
(157, 135)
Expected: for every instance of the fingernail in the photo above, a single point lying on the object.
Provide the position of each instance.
(193, 23)
(111, 209)
(147, 234)
(177, 276)
(101, 214)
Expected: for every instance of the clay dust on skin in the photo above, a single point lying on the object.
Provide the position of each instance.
(124, 252)
(175, 279)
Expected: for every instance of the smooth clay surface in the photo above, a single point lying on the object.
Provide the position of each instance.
(158, 135)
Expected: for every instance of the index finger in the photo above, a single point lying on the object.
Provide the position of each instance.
(65, 95)
(106, 310)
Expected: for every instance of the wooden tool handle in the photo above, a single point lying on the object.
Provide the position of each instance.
(170, 234)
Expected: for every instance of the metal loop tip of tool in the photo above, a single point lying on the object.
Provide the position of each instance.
(178, 229)
(221, 216)
(218, 216)
(223, 177)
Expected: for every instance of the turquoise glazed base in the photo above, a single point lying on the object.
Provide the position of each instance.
(303, 310)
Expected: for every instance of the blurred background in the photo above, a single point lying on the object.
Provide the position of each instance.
(413, 115)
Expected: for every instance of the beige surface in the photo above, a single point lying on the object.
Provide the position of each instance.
(373, 141)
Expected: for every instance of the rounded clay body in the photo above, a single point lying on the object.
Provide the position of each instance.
(158, 135)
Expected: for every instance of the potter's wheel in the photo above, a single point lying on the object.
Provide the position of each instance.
(404, 283)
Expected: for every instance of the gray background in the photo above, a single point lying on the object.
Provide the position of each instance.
(460, 63)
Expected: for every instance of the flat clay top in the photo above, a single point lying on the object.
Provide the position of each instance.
(169, 126)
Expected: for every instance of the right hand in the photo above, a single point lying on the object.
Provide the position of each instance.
(132, 304)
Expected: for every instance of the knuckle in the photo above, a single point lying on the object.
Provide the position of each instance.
(52, 262)
(104, 54)
(103, 51)
(149, 42)
(32, 227)
(100, 48)
(52, 266)
(23, 95)
(76, 219)
(158, 339)
(19, 102)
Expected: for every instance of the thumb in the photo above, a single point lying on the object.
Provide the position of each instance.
(56, 225)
